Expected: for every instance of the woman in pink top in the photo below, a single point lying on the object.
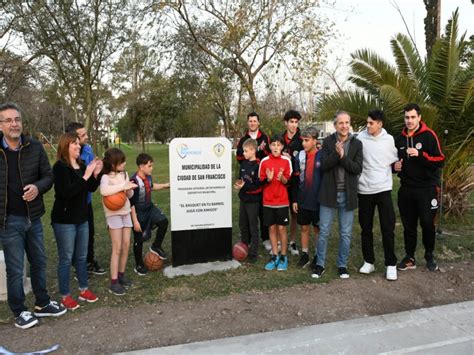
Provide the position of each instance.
(115, 179)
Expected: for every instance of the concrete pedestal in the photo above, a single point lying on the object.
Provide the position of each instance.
(3, 278)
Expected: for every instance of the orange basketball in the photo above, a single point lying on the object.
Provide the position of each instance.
(240, 251)
(153, 261)
(116, 201)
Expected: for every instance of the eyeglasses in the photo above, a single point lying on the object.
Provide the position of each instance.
(11, 120)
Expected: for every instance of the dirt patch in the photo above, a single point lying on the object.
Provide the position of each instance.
(107, 329)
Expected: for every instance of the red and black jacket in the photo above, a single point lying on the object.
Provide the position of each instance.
(252, 189)
(425, 169)
(293, 145)
(263, 148)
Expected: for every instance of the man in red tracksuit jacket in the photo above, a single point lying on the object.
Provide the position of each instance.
(419, 169)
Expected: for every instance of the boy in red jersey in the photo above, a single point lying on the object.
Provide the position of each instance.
(275, 171)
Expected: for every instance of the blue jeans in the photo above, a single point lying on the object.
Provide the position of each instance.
(72, 241)
(19, 236)
(346, 218)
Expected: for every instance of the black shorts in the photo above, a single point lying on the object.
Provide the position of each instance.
(305, 217)
(277, 215)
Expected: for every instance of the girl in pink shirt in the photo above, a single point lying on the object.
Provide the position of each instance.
(115, 180)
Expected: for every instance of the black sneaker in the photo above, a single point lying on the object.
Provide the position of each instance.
(25, 320)
(117, 289)
(125, 282)
(431, 263)
(317, 271)
(141, 270)
(408, 263)
(95, 268)
(343, 274)
(52, 309)
(158, 251)
(304, 260)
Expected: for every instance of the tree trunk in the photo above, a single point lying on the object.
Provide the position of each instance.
(239, 101)
(432, 24)
(252, 96)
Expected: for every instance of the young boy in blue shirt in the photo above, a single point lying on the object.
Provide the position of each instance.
(145, 215)
(250, 195)
(305, 191)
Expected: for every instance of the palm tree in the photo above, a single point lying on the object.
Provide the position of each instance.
(442, 85)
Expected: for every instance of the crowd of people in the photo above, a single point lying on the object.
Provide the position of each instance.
(26, 175)
(288, 179)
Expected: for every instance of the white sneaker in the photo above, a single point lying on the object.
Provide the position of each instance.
(267, 245)
(391, 274)
(367, 268)
(293, 249)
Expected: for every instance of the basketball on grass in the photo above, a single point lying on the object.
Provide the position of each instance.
(240, 251)
(153, 261)
(116, 201)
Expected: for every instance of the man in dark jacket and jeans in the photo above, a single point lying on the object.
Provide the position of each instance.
(25, 175)
(341, 164)
(419, 169)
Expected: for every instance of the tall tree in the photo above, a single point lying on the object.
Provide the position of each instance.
(246, 36)
(78, 37)
(432, 23)
(132, 74)
(218, 80)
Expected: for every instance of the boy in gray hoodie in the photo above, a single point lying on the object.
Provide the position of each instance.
(374, 190)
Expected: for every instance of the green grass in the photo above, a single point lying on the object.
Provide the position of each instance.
(154, 287)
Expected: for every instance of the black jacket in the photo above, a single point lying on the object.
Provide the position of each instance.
(293, 145)
(252, 189)
(70, 194)
(34, 169)
(352, 163)
(425, 169)
(263, 146)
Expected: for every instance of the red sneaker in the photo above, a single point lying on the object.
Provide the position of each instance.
(69, 303)
(88, 295)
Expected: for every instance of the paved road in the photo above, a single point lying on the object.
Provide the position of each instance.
(438, 330)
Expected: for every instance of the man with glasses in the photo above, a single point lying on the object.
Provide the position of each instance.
(25, 175)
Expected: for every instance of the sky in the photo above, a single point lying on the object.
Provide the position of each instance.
(372, 23)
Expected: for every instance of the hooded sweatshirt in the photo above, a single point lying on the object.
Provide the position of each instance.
(379, 155)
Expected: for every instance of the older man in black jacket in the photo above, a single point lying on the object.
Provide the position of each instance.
(341, 164)
(25, 175)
